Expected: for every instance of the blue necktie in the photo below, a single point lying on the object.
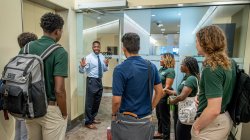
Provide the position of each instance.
(99, 67)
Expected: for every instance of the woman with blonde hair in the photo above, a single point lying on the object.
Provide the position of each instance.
(216, 86)
(167, 75)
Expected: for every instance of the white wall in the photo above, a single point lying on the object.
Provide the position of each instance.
(139, 22)
(190, 17)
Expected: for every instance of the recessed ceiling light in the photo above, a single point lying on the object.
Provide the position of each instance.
(180, 4)
(153, 15)
(98, 17)
(179, 14)
(160, 25)
(163, 29)
(139, 7)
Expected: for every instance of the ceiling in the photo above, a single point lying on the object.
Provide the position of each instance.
(169, 17)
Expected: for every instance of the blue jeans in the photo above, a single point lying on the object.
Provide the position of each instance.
(21, 130)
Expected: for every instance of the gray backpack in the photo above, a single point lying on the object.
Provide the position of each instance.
(25, 95)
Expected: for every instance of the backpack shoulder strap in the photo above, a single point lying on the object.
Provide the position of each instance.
(49, 50)
(149, 79)
(26, 48)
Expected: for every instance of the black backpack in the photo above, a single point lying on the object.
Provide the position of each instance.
(239, 106)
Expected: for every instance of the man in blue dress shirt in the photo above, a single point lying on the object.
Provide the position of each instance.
(94, 65)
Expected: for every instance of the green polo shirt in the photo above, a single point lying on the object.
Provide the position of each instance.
(191, 82)
(216, 83)
(166, 73)
(54, 65)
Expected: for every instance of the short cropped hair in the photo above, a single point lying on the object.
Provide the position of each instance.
(25, 38)
(50, 22)
(96, 42)
(131, 41)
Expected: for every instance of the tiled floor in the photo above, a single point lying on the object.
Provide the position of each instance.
(82, 133)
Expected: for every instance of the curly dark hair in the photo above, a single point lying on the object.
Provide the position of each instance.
(131, 41)
(192, 65)
(25, 38)
(50, 22)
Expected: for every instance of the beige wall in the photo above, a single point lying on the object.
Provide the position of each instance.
(11, 27)
(67, 4)
(31, 17)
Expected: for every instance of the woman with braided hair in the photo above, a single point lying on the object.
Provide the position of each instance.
(187, 88)
(216, 86)
(167, 75)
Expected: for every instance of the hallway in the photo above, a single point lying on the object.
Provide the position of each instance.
(82, 133)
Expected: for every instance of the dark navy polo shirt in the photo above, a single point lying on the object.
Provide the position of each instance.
(130, 80)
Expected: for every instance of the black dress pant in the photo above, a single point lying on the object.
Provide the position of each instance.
(175, 116)
(183, 131)
(163, 116)
(93, 98)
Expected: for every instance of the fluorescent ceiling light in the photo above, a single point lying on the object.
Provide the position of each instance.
(160, 25)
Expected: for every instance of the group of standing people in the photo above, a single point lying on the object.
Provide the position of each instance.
(133, 83)
(213, 89)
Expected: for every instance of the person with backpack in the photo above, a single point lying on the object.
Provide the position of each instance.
(187, 88)
(216, 86)
(53, 124)
(167, 75)
(133, 100)
(20, 126)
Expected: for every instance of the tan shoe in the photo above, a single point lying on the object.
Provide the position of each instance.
(91, 126)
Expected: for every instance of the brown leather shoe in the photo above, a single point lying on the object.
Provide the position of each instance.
(91, 126)
(96, 122)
